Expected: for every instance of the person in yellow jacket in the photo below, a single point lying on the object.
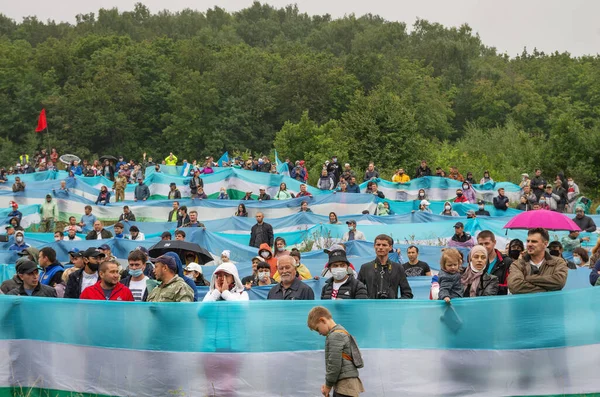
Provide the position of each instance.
(301, 270)
(400, 176)
(171, 159)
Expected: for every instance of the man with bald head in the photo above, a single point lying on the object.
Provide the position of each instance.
(261, 233)
(99, 232)
(290, 287)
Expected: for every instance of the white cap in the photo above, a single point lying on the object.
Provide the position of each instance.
(347, 165)
(424, 202)
(262, 188)
(226, 253)
(194, 267)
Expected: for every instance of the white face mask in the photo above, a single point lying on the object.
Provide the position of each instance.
(264, 254)
(339, 273)
(262, 275)
(447, 207)
(280, 249)
(19, 239)
(350, 227)
(56, 238)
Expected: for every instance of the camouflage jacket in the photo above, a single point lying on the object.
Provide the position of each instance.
(175, 290)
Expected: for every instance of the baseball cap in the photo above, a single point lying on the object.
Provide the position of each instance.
(470, 213)
(258, 258)
(525, 175)
(481, 202)
(334, 247)
(194, 267)
(166, 260)
(262, 188)
(104, 247)
(548, 186)
(425, 202)
(92, 252)
(143, 249)
(458, 224)
(74, 251)
(351, 222)
(27, 267)
(337, 256)
(8, 226)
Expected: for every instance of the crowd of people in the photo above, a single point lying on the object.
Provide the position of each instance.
(536, 266)
(560, 194)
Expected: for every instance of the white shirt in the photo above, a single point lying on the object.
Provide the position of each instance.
(88, 280)
(140, 237)
(337, 285)
(138, 288)
(358, 235)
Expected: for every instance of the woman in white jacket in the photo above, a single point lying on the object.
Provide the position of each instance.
(225, 285)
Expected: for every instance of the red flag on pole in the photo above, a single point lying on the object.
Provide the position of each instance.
(42, 124)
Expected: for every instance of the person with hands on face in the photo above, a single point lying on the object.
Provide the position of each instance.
(225, 285)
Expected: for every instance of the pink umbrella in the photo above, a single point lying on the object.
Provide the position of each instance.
(550, 220)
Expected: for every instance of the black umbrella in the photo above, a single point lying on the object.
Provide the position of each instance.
(180, 247)
(108, 157)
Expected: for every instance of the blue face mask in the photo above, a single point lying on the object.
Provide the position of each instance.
(577, 260)
(135, 273)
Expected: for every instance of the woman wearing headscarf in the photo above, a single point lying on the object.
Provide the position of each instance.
(225, 285)
(475, 281)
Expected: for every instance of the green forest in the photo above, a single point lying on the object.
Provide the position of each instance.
(199, 83)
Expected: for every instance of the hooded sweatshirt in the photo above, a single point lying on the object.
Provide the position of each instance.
(236, 291)
(187, 280)
(453, 213)
(272, 261)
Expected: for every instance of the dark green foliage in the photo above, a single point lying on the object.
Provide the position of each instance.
(199, 83)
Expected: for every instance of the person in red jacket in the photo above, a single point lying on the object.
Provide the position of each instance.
(108, 286)
(460, 197)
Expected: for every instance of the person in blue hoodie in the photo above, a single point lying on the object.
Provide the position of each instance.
(187, 280)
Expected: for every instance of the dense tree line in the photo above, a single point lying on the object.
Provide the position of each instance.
(363, 88)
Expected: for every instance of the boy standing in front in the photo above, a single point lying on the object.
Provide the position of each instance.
(342, 356)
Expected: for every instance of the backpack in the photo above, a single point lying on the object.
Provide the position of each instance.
(356, 356)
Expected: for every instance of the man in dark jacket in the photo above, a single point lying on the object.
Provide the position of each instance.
(497, 264)
(261, 232)
(538, 183)
(290, 287)
(383, 277)
(263, 196)
(127, 215)
(99, 232)
(422, 170)
(584, 222)
(342, 284)
(501, 201)
(30, 282)
(141, 193)
(353, 187)
(174, 193)
(481, 211)
(333, 169)
(86, 276)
